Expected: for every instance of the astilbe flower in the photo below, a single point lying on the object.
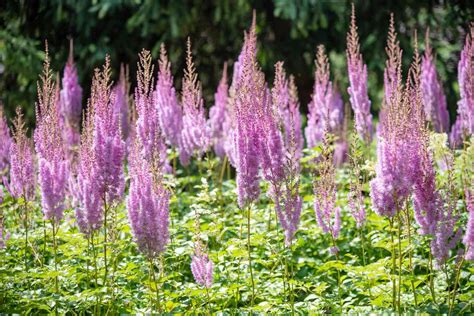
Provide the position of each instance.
(355, 198)
(324, 189)
(5, 142)
(87, 200)
(398, 145)
(392, 73)
(148, 203)
(108, 146)
(434, 100)
(357, 90)
(121, 103)
(53, 169)
(70, 107)
(201, 266)
(468, 238)
(456, 134)
(218, 114)
(22, 182)
(195, 136)
(326, 107)
(247, 106)
(147, 125)
(466, 87)
(170, 112)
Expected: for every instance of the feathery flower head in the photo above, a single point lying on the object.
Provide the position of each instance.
(170, 112)
(201, 266)
(53, 169)
(434, 100)
(218, 114)
(326, 107)
(121, 104)
(71, 93)
(5, 142)
(195, 136)
(392, 72)
(148, 204)
(468, 238)
(22, 181)
(294, 136)
(358, 93)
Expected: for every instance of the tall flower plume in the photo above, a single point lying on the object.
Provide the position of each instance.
(5, 142)
(121, 102)
(148, 203)
(218, 114)
(357, 71)
(468, 238)
(53, 169)
(326, 107)
(148, 124)
(398, 141)
(392, 73)
(466, 87)
(434, 100)
(195, 136)
(170, 112)
(355, 195)
(324, 189)
(108, 146)
(70, 105)
(248, 104)
(201, 266)
(22, 182)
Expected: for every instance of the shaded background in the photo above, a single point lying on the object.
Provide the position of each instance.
(287, 30)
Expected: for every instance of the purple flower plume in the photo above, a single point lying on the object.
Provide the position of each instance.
(148, 204)
(22, 180)
(218, 115)
(357, 71)
(70, 104)
(170, 113)
(202, 268)
(326, 107)
(434, 100)
(195, 136)
(121, 107)
(5, 142)
(53, 169)
(468, 238)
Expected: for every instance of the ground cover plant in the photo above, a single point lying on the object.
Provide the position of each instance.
(142, 202)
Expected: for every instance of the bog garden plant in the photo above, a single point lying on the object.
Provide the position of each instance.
(136, 199)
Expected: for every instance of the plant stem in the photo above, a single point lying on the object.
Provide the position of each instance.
(208, 301)
(364, 261)
(399, 261)
(336, 254)
(25, 224)
(394, 266)
(105, 239)
(410, 256)
(250, 254)
(458, 274)
(94, 254)
(152, 272)
(432, 290)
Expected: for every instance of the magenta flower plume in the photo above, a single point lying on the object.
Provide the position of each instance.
(434, 100)
(70, 102)
(326, 107)
(202, 269)
(466, 85)
(218, 115)
(195, 136)
(170, 112)
(5, 142)
(148, 204)
(457, 133)
(324, 189)
(250, 94)
(293, 122)
(468, 238)
(392, 73)
(357, 71)
(398, 144)
(108, 146)
(53, 169)
(22, 180)
(121, 103)
(87, 199)
(147, 125)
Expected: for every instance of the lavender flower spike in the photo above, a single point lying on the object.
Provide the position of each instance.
(468, 238)
(5, 143)
(195, 136)
(22, 165)
(53, 169)
(434, 100)
(218, 114)
(357, 71)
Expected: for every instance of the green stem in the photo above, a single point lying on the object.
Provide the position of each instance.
(105, 239)
(96, 274)
(361, 231)
(250, 254)
(208, 301)
(410, 256)
(394, 266)
(157, 289)
(458, 274)
(25, 224)
(432, 290)
(339, 294)
(400, 257)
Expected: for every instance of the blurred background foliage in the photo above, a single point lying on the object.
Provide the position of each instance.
(288, 30)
